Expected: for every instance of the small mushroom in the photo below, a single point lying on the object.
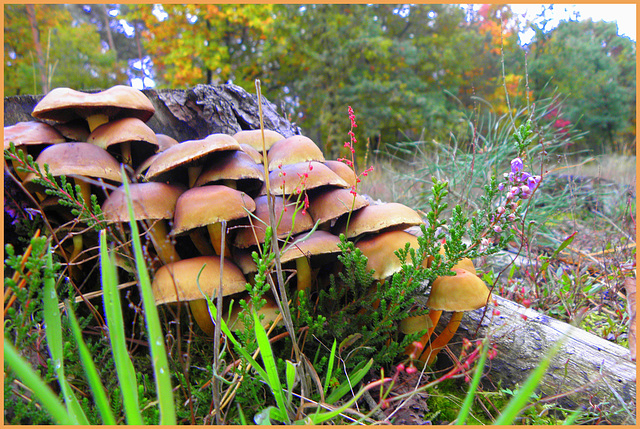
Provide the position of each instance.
(152, 201)
(253, 138)
(378, 217)
(458, 293)
(191, 154)
(293, 150)
(342, 170)
(234, 169)
(32, 137)
(66, 104)
(130, 138)
(179, 281)
(328, 205)
(269, 313)
(209, 206)
(303, 176)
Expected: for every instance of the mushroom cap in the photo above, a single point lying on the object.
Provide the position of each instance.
(31, 133)
(253, 138)
(66, 104)
(124, 130)
(293, 150)
(380, 251)
(165, 142)
(464, 263)
(82, 159)
(342, 170)
(231, 165)
(377, 217)
(333, 203)
(413, 324)
(246, 237)
(188, 152)
(317, 243)
(254, 154)
(289, 179)
(206, 205)
(178, 281)
(151, 200)
(462, 292)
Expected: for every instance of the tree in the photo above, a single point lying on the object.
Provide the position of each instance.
(191, 44)
(46, 48)
(594, 68)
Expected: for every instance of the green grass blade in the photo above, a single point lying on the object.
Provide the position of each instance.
(97, 389)
(332, 357)
(40, 389)
(53, 329)
(468, 400)
(113, 312)
(155, 335)
(270, 366)
(358, 374)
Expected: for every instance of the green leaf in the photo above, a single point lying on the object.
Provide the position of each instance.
(358, 374)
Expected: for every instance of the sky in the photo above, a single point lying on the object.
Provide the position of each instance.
(623, 14)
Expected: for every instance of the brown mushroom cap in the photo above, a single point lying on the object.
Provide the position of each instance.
(270, 311)
(189, 152)
(333, 203)
(178, 281)
(380, 251)
(31, 133)
(75, 131)
(206, 205)
(150, 200)
(232, 165)
(65, 104)
(377, 217)
(165, 142)
(246, 237)
(317, 243)
(342, 170)
(253, 138)
(124, 130)
(462, 292)
(254, 154)
(293, 150)
(289, 179)
(82, 159)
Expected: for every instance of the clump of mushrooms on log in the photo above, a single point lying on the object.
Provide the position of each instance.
(195, 188)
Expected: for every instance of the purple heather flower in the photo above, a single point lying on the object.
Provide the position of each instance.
(533, 181)
(516, 165)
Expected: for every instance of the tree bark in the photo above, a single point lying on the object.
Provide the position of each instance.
(594, 370)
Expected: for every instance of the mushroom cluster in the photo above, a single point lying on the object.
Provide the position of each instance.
(204, 203)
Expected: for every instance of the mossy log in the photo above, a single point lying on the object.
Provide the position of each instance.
(586, 370)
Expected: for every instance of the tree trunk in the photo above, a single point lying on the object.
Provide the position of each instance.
(594, 370)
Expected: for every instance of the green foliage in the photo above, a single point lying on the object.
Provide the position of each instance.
(594, 69)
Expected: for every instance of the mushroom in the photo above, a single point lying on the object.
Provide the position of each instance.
(327, 206)
(152, 201)
(342, 170)
(190, 154)
(209, 206)
(188, 279)
(269, 310)
(234, 169)
(293, 150)
(254, 234)
(65, 105)
(32, 137)
(294, 178)
(131, 138)
(377, 217)
(458, 293)
(253, 138)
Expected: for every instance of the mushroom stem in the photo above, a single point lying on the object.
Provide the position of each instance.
(161, 242)
(430, 353)
(96, 120)
(200, 313)
(303, 274)
(77, 248)
(193, 172)
(215, 234)
(125, 151)
(203, 246)
(434, 316)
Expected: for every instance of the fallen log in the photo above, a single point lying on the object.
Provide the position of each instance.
(587, 371)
